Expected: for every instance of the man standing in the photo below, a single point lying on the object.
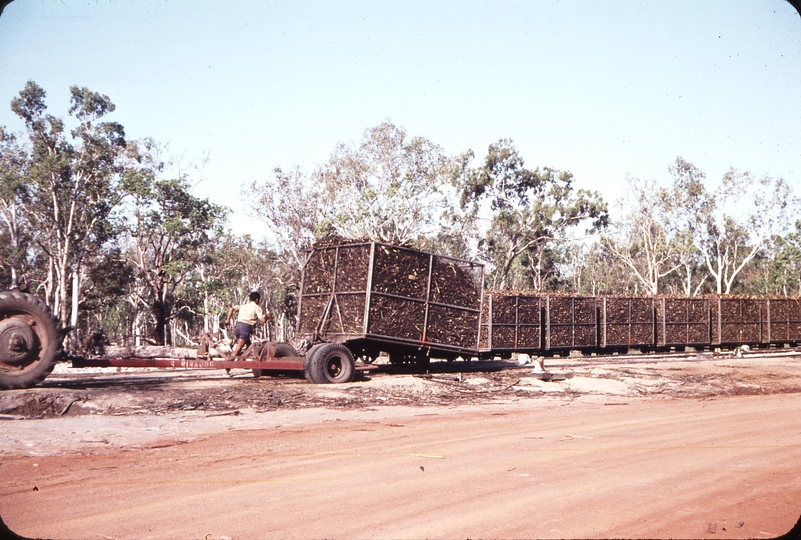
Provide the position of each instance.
(249, 314)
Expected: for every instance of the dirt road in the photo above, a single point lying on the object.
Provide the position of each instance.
(698, 448)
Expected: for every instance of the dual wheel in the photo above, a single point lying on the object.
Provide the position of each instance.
(325, 363)
(329, 363)
(30, 340)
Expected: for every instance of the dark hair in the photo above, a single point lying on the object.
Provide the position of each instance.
(255, 297)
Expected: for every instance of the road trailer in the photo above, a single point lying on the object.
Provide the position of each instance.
(379, 298)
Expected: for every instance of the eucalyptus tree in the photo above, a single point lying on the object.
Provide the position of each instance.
(73, 184)
(592, 270)
(694, 233)
(733, 222)
(295, 210)
(530, 212)
(14, 225)
(104, 289)
(732, 241)
(388, 188)
(688, 201)
(776, 269)
(230, 267)
(785, 264)
(168, 230)
(640, 239)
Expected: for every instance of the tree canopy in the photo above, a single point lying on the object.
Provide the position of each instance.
(531, 214)
(107, 230)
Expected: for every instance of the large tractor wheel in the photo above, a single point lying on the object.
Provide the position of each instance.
(329, 363)
(276, 350)
(30, 340)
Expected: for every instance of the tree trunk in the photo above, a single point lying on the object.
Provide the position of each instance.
(61, 291)
(9, 214)
(206, 311)
(49, 300)
(75, 338)
(161, 322)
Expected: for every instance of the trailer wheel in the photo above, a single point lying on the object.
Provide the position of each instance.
(30, 340)
(279, 350)
(308, 361)
(329, 363)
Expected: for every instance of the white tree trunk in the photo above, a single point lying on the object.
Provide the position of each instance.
(76, 288)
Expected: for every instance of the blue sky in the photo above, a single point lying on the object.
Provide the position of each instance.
(603, 89)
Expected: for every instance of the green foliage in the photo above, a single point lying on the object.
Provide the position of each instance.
(387, 188)
(294, 208)
(690, 239)
(86, 213)
(530, 213)
(777, 268)
(168, 230)
(15, 229)
(71, 184)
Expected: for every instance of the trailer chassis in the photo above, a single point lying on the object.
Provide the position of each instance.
(259, 356)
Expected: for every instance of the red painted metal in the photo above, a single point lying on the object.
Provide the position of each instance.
(293, 363)
(286, 363)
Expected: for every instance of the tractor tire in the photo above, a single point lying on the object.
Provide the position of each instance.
(30, 340)
(279, 350)
(328, 363)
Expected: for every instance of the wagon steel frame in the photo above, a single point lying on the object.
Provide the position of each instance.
(669, 323)
(259, 355)
(364, 341)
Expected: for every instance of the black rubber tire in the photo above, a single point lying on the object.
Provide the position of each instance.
(329, 363)
(281, 350)
(308, 361)
(30, 340)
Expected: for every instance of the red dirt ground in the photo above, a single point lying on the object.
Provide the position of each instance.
(700, 448)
